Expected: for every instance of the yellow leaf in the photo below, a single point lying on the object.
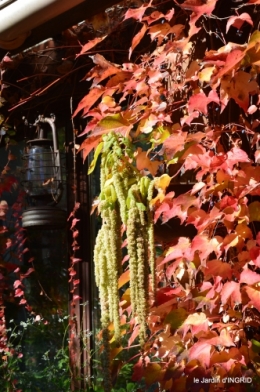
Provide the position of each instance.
(206, 74)
(112, 122)
(161, 183)
(96, 155)
(108, 101)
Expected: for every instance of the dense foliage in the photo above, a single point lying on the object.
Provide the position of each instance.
(188, 105)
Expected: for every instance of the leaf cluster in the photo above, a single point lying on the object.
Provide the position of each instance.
(197, 107)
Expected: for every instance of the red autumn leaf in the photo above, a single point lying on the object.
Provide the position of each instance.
(238, 21)
(178, 250)
(236, 155)
(163, 294)
(156, 15)
(199, 8)
(219, 268)
(175, 143)
(88, 145)
(103, 70)
(74, 222)
(27, 273)
(162, 30)
(231, 62)
(197, 187)
(254, 253)
(252, 109)
(249, 277)
(238, 87)
(231, 290)
(91, 44)
(164, 206)
(18, 293)
(200, 351)
(188, 119)
(115, 122)
(7, 59)
(137, 13)
(75, 260)
(76, 297)
(197, 322)
(138, 371)
(224, 339)
(200, 101)
(134, 335)
(179, 207)
(17, 283)
(204, 246)
(224, 357)
(89, 99)
(137, 38)
(254, 296)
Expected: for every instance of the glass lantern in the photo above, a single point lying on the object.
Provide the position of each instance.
(42, 177)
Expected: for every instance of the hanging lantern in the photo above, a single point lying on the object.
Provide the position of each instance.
(42, 179)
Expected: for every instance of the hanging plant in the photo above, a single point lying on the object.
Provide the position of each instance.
(124, 206)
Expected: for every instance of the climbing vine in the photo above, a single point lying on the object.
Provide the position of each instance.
(187, 102)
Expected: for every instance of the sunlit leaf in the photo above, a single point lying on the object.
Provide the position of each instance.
(176, 318)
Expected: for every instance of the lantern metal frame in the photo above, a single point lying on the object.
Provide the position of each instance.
(43, 178)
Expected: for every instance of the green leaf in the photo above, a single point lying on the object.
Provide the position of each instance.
(255, 346)
(176, 318)
(112, 122)
(11, 132)
(141, 206)
(96, 155)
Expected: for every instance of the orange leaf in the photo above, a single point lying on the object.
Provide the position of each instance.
(89, 100)
(218, 268)
(124, 278)
(88, 145)
(91, 45)
(254, 295)
(144, 162)
(137, 38)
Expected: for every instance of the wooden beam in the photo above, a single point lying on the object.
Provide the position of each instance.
(69, 18)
